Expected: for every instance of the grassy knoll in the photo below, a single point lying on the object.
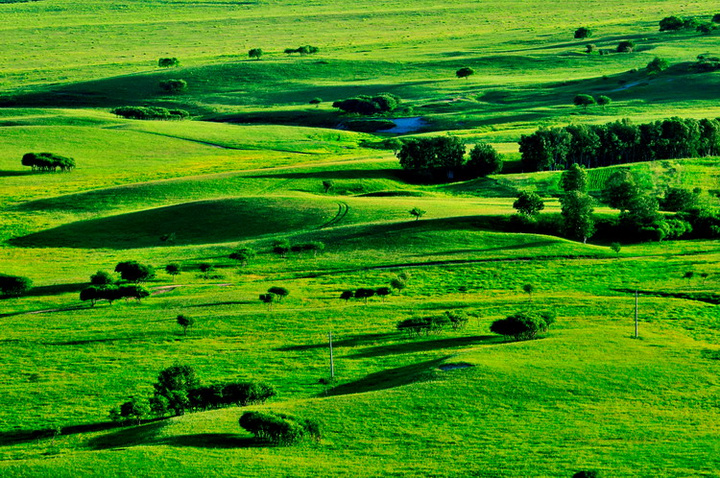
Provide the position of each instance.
(257, 163)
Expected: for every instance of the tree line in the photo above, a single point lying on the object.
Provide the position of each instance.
(619, 142)
(48, 162)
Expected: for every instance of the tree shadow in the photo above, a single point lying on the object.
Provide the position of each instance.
(46, 311)
(211, 440)
(350, 341)
(129, 436)
(427, 345)
(391, 378)
(57, 289)
(526, 245)
(230, 302)
(8, 174)
(354, 174)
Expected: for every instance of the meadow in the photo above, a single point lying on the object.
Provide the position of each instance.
(251, 168)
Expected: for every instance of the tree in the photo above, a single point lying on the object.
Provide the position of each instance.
(583, 32)
(171, 389)
(464, 72)
(706, 28)
(439, 154)
(185, 322)
(327, 185)
(316, 101)
(268, 300)
(528, 289)
(133, 271)
(398, 284)
(168, 62)
(679, 199)
(616, 247)
(672, 23)
(620, 189)
(584, 100)
(364, 293)
(135, 291)
(242, 255)
(206, 268)
(48, 162)
(522, 325)
(577, 217)
(92, 294)
(484, 160)
(417, 213)
(590, 47)
(173, 86)
(657, 65)
(134, 409)
(603, 100)
(255, 53)
(101, 278)
(14, 286)
(347, 295)
(280, 292)
(173, 269)
(626, 46)
(574, 179)
(383, 292)
(281, 247)
(529, 204)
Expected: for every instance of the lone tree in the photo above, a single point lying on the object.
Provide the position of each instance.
(626, 46)
(48, 162)
(280, 292)
(616, 247)
(185, 322)
(484, 160)
(528, 289)
(255, 53)
(168, 62)
(657, 65)
(242, 255)
(173, 269)
(133, 271)
(417, 213)
(584, 100)
(603, 100)
(14, 286)
(173, 86)
(316, 101)
(583, 32)
(529, 204)
(464, 72)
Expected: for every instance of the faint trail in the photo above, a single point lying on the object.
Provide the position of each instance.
(343, 209)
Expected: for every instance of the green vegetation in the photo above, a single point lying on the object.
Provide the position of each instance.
(272, 222)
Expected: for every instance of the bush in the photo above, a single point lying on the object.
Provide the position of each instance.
(626, 46)
(279, 429)
(657, 65)
(427, 325)
(173, 86)
(523, 325)
(168, 62)
(150, 113)
(672, 23)
(101, 278)
(369, 105)
(583, 32)
(464, 72)
(255, 53)
(14, 285)
(584, 100)
(48, 162)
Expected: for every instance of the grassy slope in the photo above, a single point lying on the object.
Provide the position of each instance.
(584, 397)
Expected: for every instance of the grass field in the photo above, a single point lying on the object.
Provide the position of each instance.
(248, 169)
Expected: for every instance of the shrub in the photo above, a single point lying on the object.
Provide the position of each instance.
(101, 278)
(626, 46)
(168, 62)
(603, 100)
(279, 429)
(255, 53)
(464, 72)
(583, 32)
(523, 325)
(48, 162)
(369, 105)
(657, 65)
(584, 100)
(150, 113)
(529, 204)
(173, 86)
(14, 285)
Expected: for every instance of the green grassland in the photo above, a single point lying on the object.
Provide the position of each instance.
(248, 169)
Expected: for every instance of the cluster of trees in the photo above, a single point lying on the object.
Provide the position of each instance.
(278, 428)
(675, 23)
(369, 105)
(112, 292)
(523, 325)
(48, 162)
(150, 113)
(618, 143)
(417, 326)
(585, 100)
(444, 156)
(168, 62)
(282, 247)
(173, 86)
(365, 293)
(303, 50)
(178, 390)
(14, 286)
(274, 294)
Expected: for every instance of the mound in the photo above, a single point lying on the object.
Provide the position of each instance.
(200, 222)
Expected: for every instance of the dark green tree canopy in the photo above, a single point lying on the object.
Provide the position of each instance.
(14, 285)
(256, 53)
(133, 271)
(464, 72)
(577, 209)
(657, 65)
(48, 162)
(574, 179)
(439, 153)
(529, 203)
(484, 160)
(584, 100)
(583, 32)
(620, 189)
(626, 46)
(173, 85)
(369, 105)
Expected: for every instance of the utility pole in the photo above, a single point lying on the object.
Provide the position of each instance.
(636, 314)
(332, 362)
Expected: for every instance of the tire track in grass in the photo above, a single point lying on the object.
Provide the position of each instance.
(343, 209)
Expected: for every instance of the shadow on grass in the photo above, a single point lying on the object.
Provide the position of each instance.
(130, 436)
(47, 311)
(352, 174)
(24, 436)
(391, 378)
(413, 346)
(351, 341)
(8, 174)
(212, 440)
(526, 245)
(230, 302)
(57, 289)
